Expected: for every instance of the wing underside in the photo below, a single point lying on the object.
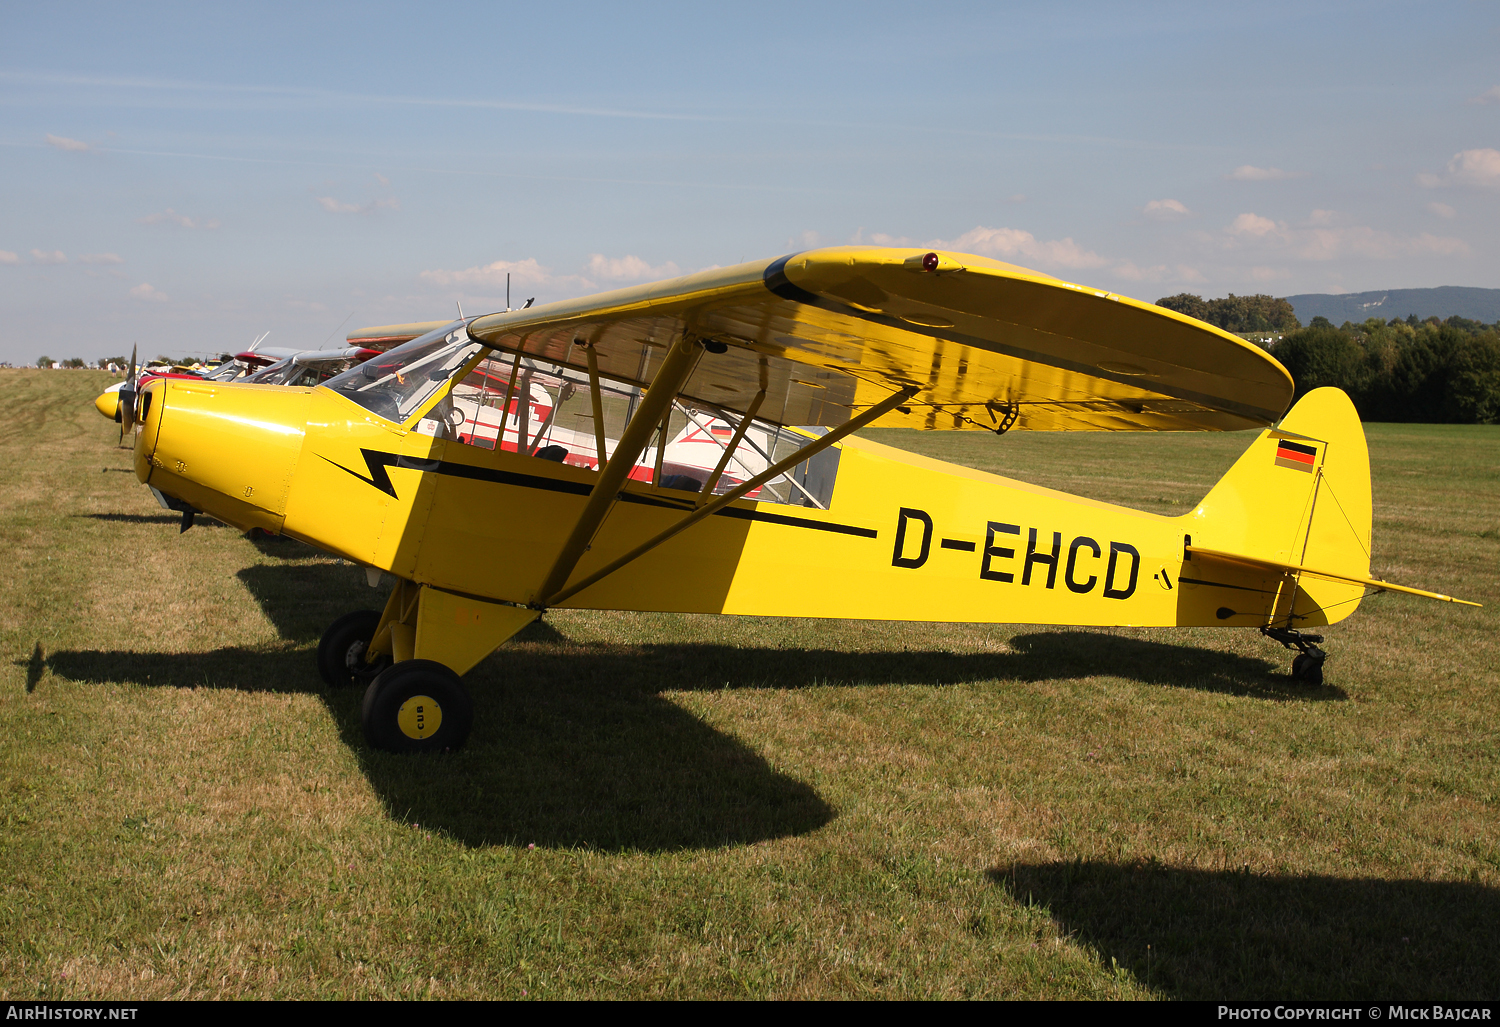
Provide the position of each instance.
(830, 333)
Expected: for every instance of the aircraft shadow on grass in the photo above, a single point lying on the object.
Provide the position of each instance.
(552, 761)
(302, 600)
(575, 745)
(1241, 935)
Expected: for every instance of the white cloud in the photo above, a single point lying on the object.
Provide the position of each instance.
(1269, 274)
(171, 217)
(7, 257)
(1166, 210)
(523, 273)
(49, 256)
(1476, 167)
(1468, 167)
(1016, 198)
(1251, 173)
(878, 239)
(601, 271)
(1014, 244)
(627, 269)
(1251, 225)
(145, 291)
(1129, 271)
(333, 206)
(101, 258)
(382, 179)
(1489, 96)
(1321, 238)
(1442, 210)
(64, 143)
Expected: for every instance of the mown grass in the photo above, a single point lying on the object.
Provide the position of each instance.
(739, 807)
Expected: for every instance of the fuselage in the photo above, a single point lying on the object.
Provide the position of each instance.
(904, 537)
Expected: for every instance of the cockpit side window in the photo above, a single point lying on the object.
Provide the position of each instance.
(397, 383)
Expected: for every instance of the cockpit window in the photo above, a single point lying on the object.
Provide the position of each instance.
(395, 384)
(225, 372)
(271, 374)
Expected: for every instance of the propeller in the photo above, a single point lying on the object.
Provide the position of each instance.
(127, 399)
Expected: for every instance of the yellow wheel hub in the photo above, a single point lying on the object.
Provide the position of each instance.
(419, 717)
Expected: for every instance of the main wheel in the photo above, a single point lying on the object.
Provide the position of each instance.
(342, 647)
(1307, 670)
(417, 706)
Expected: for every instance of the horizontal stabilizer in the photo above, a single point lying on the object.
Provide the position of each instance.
(1375, 583)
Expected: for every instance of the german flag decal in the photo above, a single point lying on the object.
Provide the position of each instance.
(1295, 454)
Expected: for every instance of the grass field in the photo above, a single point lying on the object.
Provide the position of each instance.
(704, 807)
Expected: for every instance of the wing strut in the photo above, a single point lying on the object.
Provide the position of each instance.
(739, 434)
(674, 373)
(598, 403)
(813, 447)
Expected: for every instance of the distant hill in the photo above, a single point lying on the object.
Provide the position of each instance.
(1442, 302)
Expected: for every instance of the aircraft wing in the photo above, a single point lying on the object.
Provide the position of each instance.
(987, 345)
(383, 337)
(1375, 583)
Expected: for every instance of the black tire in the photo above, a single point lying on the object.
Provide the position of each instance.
(334, 649)
(403, 701)
(1307, 670)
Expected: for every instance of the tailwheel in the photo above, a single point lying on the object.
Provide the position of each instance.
(1307, 669)
(1307, 665)
(417, 706)
(341, 651)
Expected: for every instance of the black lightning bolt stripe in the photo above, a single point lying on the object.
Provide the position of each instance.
(1221, 584)
(377, 464)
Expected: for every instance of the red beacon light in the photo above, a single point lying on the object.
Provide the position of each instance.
(928, 262)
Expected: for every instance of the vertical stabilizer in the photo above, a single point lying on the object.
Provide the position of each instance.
(1299, 495)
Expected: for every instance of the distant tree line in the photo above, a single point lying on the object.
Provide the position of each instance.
(1431, 371)
(1258, 313)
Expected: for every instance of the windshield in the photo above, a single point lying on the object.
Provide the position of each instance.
(395, 384)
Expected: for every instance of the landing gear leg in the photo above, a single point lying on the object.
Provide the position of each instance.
(1307, 665)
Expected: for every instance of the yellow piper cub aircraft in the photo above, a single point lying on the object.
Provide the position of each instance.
(799, 353)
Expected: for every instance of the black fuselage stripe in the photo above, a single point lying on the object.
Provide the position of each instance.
(1220, 584)
(576, 488)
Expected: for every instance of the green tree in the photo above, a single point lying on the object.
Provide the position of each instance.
(1322, 356)
(44, 361)
(1474, 380)
(1186, 303)
(1258, 313)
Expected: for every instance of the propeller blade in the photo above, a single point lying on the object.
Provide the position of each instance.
(127, 398)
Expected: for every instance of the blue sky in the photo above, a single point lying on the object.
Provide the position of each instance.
(189, 176)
